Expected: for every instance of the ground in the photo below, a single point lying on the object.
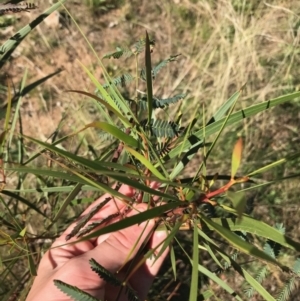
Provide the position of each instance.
(223, 45)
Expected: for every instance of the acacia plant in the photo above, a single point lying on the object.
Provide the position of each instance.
(143, 148)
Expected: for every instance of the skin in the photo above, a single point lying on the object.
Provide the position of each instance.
(70, 262)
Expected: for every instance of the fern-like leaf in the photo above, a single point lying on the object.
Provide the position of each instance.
(291, 285)
(120, 51)
(136, 49)
(158, 67)
(296, 267)
(163, 63)
(104, 273)
(139, 46)
(287, 289)
(121, 80)
(164, 148)
(162, 128)
(111, 279)
(10, 8)
(74, 292)
(273, 250)
(260, 276)
(161, 103)
(269, 249)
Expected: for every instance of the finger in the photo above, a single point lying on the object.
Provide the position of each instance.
(150, 269)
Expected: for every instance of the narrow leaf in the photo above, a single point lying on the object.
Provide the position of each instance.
(132, 220)
(114, 131)
(148, 76)
(259, 228)
(241, 245)
(195, 262)
(144, 161)
(11, 44)
(218, 281)
(105, 104)
(255, 284)
(190, 145)
(169, 239)
(173, 262)
(32, 265)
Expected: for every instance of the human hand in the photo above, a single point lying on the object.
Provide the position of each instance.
(70, 262)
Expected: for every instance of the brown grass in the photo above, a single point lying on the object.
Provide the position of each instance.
(223, 45)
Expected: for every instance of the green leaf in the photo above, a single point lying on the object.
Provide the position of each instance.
(173, 262)
(10, 45)
(195, 262)
(49, 173)
(132, 220)
(65, 203)
(114, 131)
(286, 159)
(259, 228)
(23, 232)
(119, 105)
(207, 294)
(211, 251)
(105, 104)
(255, 284)
(145, 162)
(32, 265)
(187, 157)
(17, 197)
(148, 77)
(223, 109)
(7, 116)
(74, 292)
(100, 167)
(216, 125)
(24, 90)
(218, 281)
(241, 245)
(169, 239)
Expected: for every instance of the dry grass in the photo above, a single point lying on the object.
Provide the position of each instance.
(223, 45)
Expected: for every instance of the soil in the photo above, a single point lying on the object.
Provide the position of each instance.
(58, 44)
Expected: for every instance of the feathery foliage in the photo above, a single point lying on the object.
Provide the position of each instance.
(291, 284)
(9, 8)
(111, 279)
(146, 150)
(73, 292)
(161, 103)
